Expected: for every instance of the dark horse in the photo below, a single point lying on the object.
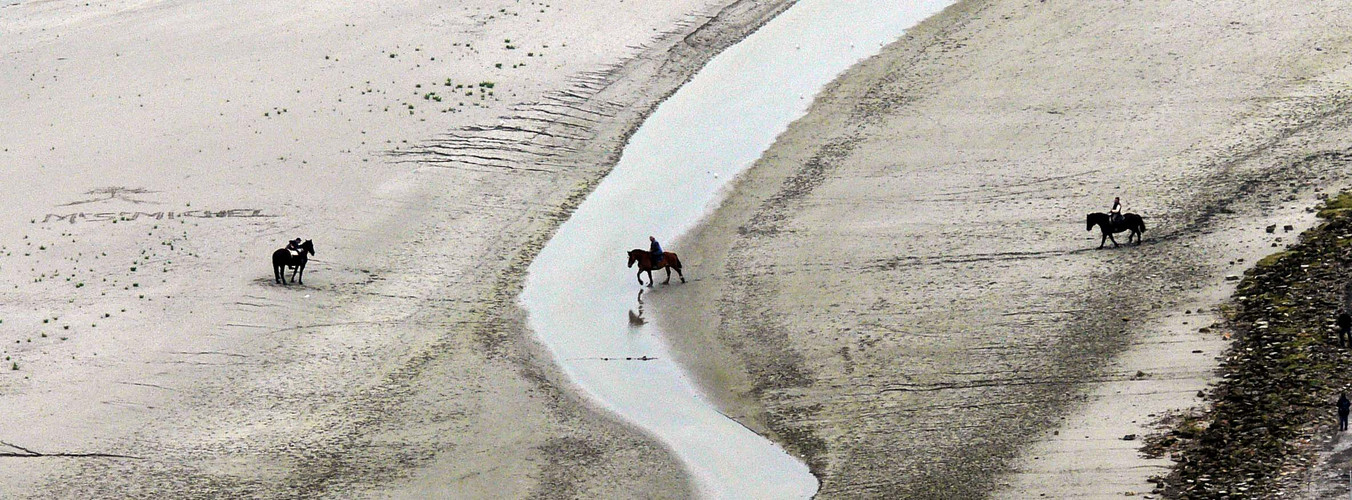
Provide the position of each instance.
(1130, 222)
(282, 259)
(645, 263)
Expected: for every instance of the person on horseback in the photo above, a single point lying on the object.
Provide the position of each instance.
(293, 246)
(1115, 214)
(655, 252)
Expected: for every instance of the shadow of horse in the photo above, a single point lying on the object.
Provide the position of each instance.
(1130, 222)
(282, 259)
(644, 260)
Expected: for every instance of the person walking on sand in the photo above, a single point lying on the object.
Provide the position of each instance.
(655, 252)
(1115, 213)
(1344, 407)
(1344, 326)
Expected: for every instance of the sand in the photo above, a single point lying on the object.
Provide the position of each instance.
(163, 150)
(902, 289)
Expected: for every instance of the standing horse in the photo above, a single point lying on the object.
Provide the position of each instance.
(645, 263)
(282, 259)
(1130, 222)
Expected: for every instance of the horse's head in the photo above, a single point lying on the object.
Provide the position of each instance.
(1089, 221)
(632, 258)
(308, 247)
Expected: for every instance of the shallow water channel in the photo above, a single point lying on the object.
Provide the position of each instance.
(579, 294)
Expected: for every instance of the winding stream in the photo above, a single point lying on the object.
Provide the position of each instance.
(578, 292)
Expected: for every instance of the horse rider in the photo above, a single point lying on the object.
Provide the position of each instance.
(1115, 214)
(655, 251)
(293, 246)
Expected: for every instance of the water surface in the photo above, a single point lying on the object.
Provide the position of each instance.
(578, 292)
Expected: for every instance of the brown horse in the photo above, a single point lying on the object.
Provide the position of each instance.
(645, 263)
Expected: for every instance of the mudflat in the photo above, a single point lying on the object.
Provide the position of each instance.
(903, 291)
(158, 153)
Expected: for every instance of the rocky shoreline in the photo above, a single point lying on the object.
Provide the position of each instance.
(1270, 414)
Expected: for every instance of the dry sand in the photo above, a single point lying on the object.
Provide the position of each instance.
(903, 290)
(157, 152)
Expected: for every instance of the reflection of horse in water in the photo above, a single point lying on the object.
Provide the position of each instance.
(1130, 222)
(636, 319)
(644, 260)
(283, 258)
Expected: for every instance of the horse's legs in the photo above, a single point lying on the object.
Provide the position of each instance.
(279, 274)
(650, 277)
(1114, 240)
(668, 281)
(639, 275)
(1103, 240)
(300, 270)
(678, 273)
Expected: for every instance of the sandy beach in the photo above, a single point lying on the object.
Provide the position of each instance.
(164, 150)
(901, 291)
(903, 286)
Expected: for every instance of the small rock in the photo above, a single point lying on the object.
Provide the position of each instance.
(1271, 229)
(1129, 437)
(1231, 277)
(1288, 228)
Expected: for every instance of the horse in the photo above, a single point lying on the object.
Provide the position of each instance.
(645, 263)
(1130, 222)
(282, 259)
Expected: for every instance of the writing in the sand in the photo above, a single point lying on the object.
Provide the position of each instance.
(132, 216)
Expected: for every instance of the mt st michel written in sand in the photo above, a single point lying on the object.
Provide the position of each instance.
(900, 291)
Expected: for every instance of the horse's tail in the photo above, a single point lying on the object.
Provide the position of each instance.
(673, 261)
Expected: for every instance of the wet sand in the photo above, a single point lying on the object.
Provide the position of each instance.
(163, 151)
(903, 291)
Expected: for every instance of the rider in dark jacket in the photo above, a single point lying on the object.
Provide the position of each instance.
(1115, 214)
(655, 252)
